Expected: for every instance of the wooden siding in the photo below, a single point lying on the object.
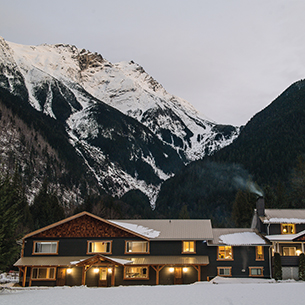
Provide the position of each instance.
(84, 226)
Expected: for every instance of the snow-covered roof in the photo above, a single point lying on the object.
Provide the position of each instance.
(274, 216)
(285, 237)
(148, 232)
(169, 229)
(236, 237)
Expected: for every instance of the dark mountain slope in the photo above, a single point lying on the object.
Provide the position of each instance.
(270, 143)
(265, 152)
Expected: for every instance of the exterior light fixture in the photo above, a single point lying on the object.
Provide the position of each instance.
(171, 269)
(109, 270)
(96, 270)
(69, 270)
(298, 252)
(184, 269)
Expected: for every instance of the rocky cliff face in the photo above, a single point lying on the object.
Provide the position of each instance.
(127, 130)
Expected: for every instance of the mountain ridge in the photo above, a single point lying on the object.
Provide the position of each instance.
(129, 132)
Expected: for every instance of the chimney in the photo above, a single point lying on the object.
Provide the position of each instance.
(260, 206)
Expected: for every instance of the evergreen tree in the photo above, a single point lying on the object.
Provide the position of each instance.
(302, 267)
(184, 214)
(46, 208)
(10, 201)
(297, 195)
(242, 210)
(277, 268)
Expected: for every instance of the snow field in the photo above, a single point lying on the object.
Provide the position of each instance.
(199, 293)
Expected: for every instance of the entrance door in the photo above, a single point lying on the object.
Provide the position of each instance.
(178, 276)
(61, 277)
(102, 277)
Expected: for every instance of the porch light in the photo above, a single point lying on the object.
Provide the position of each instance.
(96, 270)
(69, 270)
(171, 269)
(109, 270)
(184, 269)
(298, 252)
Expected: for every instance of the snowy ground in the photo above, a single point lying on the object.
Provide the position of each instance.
(233, 291)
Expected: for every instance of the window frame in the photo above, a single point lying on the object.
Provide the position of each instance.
(45, 241)
(99, 241)
(257, 255)
(48, 272)
(287, 224)
(136, 278)
(137, 241)
(288, 247)
(188, 252)
(256, 275)
(226, 268)
(225, 259)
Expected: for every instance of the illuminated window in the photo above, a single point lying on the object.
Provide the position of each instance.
(224, 271)
(136, 272)
(43, 273)
(288, 228)
(225, 252)
(188, 247)
(136, 247)
(45, 247)
(256, 271)
(99, 247)
(259, 253)
(289, 251)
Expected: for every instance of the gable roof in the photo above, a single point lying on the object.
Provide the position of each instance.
(283, 216)
(237, 237)
(70, 225)
(169, 229)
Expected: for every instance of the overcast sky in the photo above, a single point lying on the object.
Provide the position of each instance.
(229, 58)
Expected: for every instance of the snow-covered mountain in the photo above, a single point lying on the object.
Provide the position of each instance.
(129, 132)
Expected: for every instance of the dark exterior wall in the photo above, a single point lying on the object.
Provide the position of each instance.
(78, 247)
(243, 258)
(275, 229)
(75, 278)
(299, 227)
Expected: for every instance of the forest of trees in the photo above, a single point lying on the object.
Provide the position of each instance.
(17, 217)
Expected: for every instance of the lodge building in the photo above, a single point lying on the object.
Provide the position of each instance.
(85, 249)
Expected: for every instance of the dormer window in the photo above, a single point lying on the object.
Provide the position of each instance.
(288, 228)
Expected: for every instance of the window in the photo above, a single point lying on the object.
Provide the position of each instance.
(136, 272)
(256, 271)
(225, 252)
(99, 247)
(259, 253)
(188, 247)
(136, 247)
(43, 273)
(224, 271)
(289, 251)
(288, 228)
(45, 247)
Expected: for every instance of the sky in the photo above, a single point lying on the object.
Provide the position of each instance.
(228, 58)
